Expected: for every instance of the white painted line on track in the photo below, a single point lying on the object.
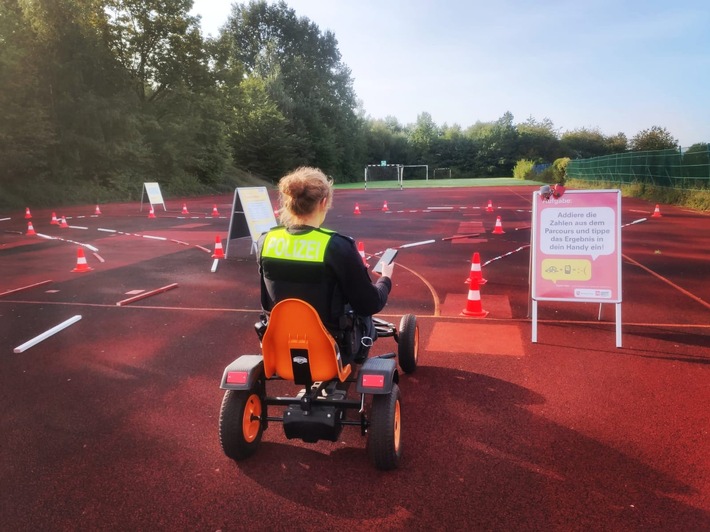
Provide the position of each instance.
(25, 287)
(46, 334)
(154, 237)
(214, 265)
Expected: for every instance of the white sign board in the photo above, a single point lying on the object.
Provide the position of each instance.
(252, 214)
(576, 249)
(155, 197)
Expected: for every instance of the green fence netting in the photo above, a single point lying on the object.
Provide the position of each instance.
(670, 168)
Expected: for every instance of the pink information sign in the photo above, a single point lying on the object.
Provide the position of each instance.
(576, 247)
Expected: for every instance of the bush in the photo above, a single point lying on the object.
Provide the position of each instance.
(559, 170)
(524, 169)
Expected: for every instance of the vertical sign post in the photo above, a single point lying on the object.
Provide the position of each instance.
(576, 250)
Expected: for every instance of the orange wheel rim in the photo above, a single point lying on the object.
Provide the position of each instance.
(250, 426)
(397, 426)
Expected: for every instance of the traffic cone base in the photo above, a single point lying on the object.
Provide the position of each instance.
(498, 229)
(218, 251)
(81, 265)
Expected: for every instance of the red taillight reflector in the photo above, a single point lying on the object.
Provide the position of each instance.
(373, 381)
(237, 377)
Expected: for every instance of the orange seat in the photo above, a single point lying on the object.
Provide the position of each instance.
(298, 347)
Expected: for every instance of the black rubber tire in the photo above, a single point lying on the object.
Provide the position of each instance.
(408, 344)
(240, 436)
(384, 444)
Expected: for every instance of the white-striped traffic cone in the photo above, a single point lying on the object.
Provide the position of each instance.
(81, 265)
(476, 272)
(498, 229)
(474, 308)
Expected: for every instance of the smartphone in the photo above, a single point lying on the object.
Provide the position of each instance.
(387, 257)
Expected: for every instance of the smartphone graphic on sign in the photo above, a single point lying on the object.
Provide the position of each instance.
(387, 257)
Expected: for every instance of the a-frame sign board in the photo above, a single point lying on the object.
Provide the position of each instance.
(576, 250)
(252, 215)
(155, 197)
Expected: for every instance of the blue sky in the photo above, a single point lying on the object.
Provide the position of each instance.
(616, 66)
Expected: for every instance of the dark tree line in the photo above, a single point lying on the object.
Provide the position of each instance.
(98, 96)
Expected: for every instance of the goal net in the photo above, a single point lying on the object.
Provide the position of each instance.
(383, 175)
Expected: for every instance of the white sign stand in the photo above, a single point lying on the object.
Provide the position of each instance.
(155, 197)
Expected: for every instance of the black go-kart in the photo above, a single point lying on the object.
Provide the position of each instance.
(297, 347)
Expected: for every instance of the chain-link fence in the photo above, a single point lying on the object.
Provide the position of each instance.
(683, 168)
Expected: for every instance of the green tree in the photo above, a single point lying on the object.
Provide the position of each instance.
(182, 115)
(26, 129)
(423, 137)
(305, 76)
(538, 140)
(655, 138)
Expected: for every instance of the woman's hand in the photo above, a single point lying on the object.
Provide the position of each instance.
(387, 269)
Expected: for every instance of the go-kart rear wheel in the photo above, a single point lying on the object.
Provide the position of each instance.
(240, 428)
(408, 349)
(384, 441)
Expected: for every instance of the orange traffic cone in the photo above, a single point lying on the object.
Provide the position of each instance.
(473, 303)
(476, 272)
(215, 212)
(498, 229)
(218, 252)
(63, 224)
(151, 213)
(357, 209)
(361, 251)
(490, 206)
(184, 209)
(81, 265)
(54, 219)
(28, 214)
(656, 212)
(97, 211)
(30, 229)
(385, 208)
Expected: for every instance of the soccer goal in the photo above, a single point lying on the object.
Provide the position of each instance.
(383, 175)
(389, 175)
(443, 173)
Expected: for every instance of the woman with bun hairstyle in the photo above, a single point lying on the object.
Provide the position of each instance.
(300, 259)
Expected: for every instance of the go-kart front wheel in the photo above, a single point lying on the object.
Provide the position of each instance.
(384, 440)
(240, 426)
(408, 348)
